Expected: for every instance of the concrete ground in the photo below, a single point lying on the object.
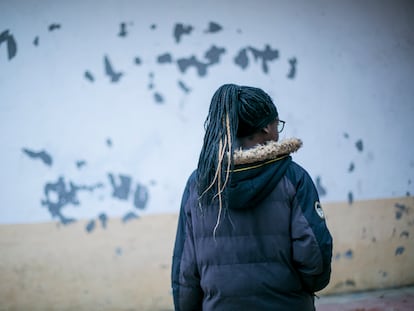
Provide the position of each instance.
(398, 299)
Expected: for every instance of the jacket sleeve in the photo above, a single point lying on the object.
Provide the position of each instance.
(311, 239)
(185, 278)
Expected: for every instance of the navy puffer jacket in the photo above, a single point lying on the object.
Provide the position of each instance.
(271, 250)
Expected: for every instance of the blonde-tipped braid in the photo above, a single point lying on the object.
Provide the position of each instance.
(222, 151)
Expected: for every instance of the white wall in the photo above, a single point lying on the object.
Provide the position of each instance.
(354, 78)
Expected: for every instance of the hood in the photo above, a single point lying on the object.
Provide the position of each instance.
(258, 170)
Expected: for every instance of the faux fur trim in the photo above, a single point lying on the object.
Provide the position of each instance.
(268, 151)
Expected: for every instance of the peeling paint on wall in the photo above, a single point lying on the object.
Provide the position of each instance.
(211, 57)
(54, 26)
(6, 37)
(42, 155)
(89, 76)
(350, 197)
(213, 28)
(292, 71)
(194, 50)
(129, 216)
(110, 72)
(401, 209)
(60, 194)
(180, 30)
(399, 250)
(359, 145)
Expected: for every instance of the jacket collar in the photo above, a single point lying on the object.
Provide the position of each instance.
(268, 151)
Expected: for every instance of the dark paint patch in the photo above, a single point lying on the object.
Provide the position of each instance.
(90, 226)
(398, 215)
(137, 61)
(347, 282)
(374, 239)
(118, 251)
(42, 155)
(266, 55)
(351, 167)
(109, 142)
(110, 72)
(400, 210)
(151, 82)
(180, 30)
(346, 135)
(54, 26)
(184, 87)
(399, 250)
(129, 216)
(80, 164)
(159, 99)
(122, 30)
(292, 71)
(153, 26)
(185, 63)
(103, 219)
(5, 36)
(213, 54)
(350, 198)
(359, 145)
(321, 190)
(405, 234)
(338, 256)
(350, 282)
(36, 41)
(241, 59)
(58, 196)
(121, 190)
(89, 76)
(384, 274)
(164, 58)
(141, 197)
(213, 28)
(349, 254)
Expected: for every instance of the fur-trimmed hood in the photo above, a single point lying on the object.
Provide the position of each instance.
(269, 151)
(258, 170)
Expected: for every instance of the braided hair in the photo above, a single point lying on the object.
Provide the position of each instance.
(235, 111)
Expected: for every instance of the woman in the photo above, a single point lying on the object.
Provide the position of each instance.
(251, 232)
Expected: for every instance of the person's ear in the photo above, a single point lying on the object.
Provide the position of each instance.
(266, 129)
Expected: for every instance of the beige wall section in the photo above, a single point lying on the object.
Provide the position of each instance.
(123, 267)
(127, 266)
(373, 244)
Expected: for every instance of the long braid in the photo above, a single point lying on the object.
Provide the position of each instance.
(228, 170)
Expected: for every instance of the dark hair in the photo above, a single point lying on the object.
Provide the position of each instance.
(235, 111)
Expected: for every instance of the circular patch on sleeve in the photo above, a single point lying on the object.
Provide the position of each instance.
(319, 210)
